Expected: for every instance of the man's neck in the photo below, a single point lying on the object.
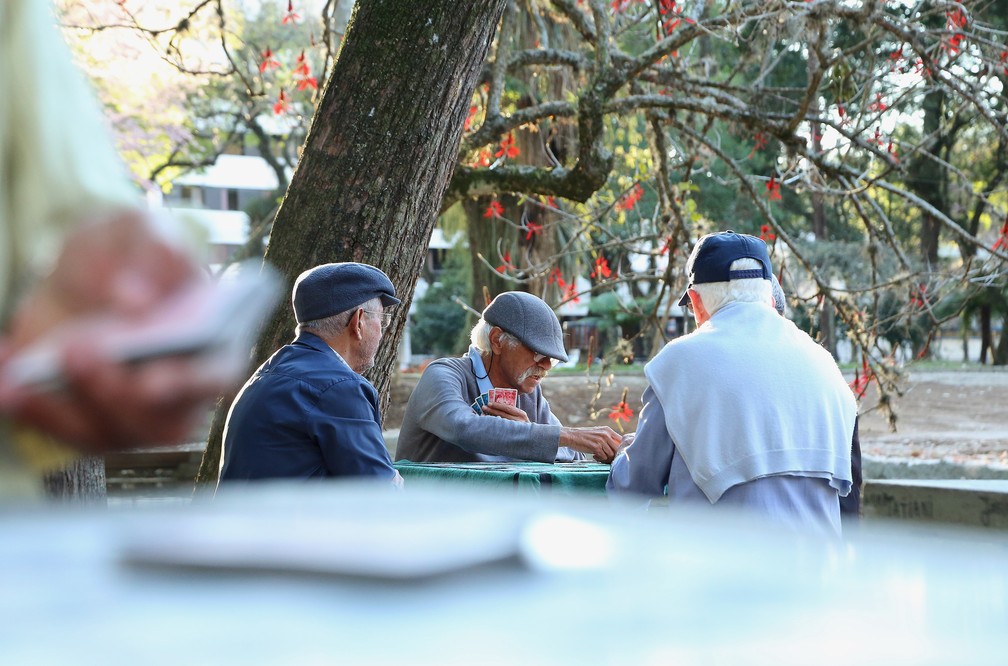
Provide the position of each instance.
(343, 349)
(494, 371)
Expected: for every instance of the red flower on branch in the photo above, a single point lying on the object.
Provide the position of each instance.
(668, 11)
(767, 234)
(892, 150)
(483, 159)
(570, 293)
(601, 268)
(282, 104)
(956, 19)
(306, 82)
(507, 147)
(862, 378)
(495, 209)
(301, 64)
(759, 143)
(773, 188)
(531, 229)
(622, 411)
(631, 198)
(557, 277)
(550, 203)
(878, 105)
(842, 112)
(291, 16)
(918, 296)
(507, 265)
(1003, 58)
(470, 117)
(269, 62)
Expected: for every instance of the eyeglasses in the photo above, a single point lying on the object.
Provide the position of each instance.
(386, 317)
(538, 358)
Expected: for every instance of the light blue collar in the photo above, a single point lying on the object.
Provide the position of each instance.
(482, 376)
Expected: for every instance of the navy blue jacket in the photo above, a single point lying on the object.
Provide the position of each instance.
(305, 414)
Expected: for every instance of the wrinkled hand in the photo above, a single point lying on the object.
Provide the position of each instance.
(601, 442)
(506, 412)
(118, 266)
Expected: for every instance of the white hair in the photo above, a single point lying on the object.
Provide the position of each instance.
(716, 295)
(480, 337)
(333, 325)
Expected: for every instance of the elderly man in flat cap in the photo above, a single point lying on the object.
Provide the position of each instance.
(307, 412)
(515, 343)
(746, 411)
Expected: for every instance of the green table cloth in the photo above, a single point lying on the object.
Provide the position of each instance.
(526, 476)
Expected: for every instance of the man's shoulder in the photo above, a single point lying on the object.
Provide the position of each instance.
(316, 367)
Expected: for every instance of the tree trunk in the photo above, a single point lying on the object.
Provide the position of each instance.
(82, 481)
(986, 339)
(379, 153)
(1000, 355)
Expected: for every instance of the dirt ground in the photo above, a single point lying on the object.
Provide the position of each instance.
(960, 417)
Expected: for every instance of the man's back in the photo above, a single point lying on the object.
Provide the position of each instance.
(304, 414)
(746, 411)
(749, 395)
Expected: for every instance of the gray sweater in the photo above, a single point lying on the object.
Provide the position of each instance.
(440, 426)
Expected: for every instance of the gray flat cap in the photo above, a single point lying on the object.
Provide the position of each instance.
(330, 289)
(529, 319)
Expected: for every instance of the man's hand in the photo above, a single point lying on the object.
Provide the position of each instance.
(122, 267)
(506, 412)
(601, 442)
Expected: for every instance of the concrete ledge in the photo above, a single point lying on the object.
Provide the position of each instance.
(912, 468)
(977, 503)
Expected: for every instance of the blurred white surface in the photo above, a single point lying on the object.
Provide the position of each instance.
(339, 573)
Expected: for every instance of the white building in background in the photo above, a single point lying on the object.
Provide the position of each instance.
(215, 197)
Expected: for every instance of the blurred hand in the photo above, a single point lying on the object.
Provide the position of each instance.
(601, 442)
(506, 412)
(122, 267)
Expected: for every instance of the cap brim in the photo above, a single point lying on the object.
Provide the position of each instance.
(684, 301)
(389, 301)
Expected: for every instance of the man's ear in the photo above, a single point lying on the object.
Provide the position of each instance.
(699, 311)
(495, 343)
(356, 324)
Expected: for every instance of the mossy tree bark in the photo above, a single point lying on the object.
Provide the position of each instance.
(376, 162)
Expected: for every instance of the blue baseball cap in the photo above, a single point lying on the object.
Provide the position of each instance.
(713, 255)
(330, 289)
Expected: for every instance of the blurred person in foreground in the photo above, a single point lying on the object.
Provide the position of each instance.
(76, 243)
(515, 344)
(746, 411)
(307, 412)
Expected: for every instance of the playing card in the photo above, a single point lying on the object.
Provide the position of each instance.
(505, 396)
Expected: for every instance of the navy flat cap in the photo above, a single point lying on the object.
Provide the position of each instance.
(713, 255)
(330, 289)
(529, 319)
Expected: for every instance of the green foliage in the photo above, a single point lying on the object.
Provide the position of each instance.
(441, 326)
